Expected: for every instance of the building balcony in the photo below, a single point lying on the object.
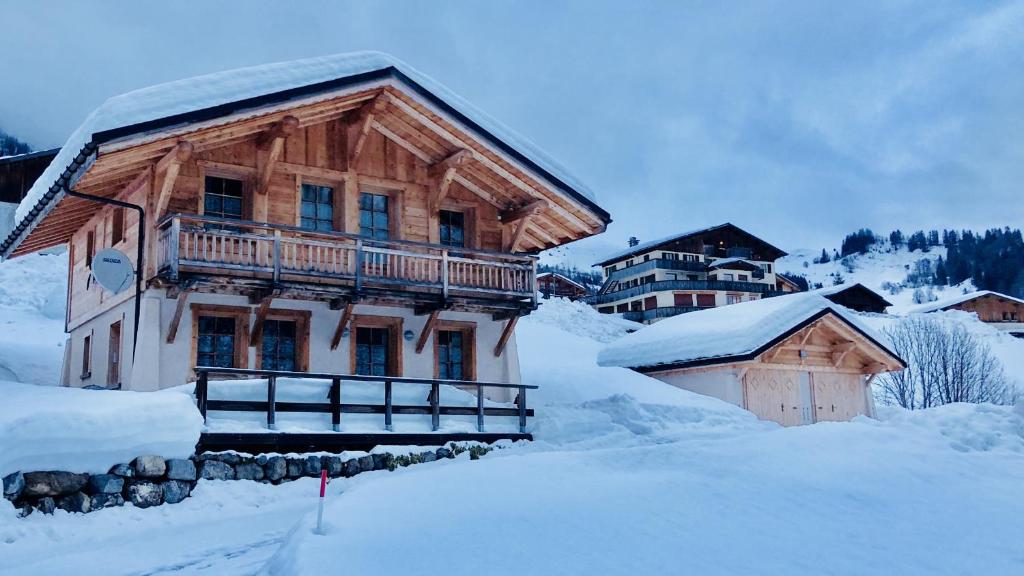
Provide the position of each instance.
(689, 285)
(654, 313)
(276, 255)
(658, 264)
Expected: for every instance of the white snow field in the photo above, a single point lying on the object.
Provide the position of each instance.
(33, 292)
(626, 476)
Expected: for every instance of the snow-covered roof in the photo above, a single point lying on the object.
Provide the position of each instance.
(832, 290)
(727, 333)
(563, 277)
(958, 299)
(137, 108)
(648, 246)
(727, 262)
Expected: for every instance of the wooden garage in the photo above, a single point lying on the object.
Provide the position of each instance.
(795, 359)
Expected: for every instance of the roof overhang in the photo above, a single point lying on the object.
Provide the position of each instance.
(643, 248)
(754, 354)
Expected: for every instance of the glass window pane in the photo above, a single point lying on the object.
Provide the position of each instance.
(365, 201)
(308, 210)
(365, 219)
(380, 203)
(380, 220)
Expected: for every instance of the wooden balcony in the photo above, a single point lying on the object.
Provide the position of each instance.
(196, 246)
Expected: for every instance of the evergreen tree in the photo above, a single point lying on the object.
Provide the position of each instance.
(896, 239)
(11, 146)
(823, 259)
(941, 277)
(933, 238)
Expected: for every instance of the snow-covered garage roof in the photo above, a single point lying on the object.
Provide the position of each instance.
(731, 333)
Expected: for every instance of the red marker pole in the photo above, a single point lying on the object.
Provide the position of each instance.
(320, 510)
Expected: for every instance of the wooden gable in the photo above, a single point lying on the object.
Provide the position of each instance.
(382, 136)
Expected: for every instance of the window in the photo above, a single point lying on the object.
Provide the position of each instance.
(705, 300)
(606, 309)
(373, 216)
(743, 277)
(114, 355)
(629, 263)
(727, 276)
(90, 248)
(647, 257)
(636, 305)
(317, 207)
(279, 350)
(685, 300)
(694, 277)
(650, 303)
(622, 308)
(733, 298)
(372, 351)
(670, 256)
(117, 226)
(766, 267)
(608, 271)
(222, 198)
(451, 355)
(216, 342)
(87, 356)
(452, 228)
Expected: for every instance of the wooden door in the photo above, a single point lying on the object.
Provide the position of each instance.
(774, 395)
(838, 397)
(114, 355)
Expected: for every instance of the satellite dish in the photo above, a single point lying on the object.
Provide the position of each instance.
(112, 269)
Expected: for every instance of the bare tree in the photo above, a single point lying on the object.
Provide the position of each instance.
(945, 364)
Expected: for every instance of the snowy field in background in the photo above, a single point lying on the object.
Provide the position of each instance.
(33, 295)
(626, 476)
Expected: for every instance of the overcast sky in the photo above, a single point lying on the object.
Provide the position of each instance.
(799, 121)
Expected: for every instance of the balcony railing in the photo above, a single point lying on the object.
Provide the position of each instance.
(663, 312)
(709, 285)
(217, 246)
(658, 264)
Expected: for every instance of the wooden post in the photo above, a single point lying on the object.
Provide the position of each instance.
(387, 405)
(359, 265)
(522, 410)
(428, 327)
(173, 248)
(342, 323)
(336, 404)
(479, 408)
(179, 309)
(202, 386)
(272, 402)
(506, 333)
(435, 406)
(444, 273)
(277, 256)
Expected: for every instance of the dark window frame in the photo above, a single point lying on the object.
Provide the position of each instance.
(468, 355)
(314, 223)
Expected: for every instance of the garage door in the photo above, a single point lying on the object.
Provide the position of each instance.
(776, 395)
(838, 397)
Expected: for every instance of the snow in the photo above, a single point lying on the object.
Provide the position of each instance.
(32, 300)
(722, 332)
(957, 299)
(78, 430)
(626, 475)
(209, 90)
(645, 246)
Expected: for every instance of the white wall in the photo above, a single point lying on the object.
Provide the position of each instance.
(169, 365)
(722, 384)
(99, 329)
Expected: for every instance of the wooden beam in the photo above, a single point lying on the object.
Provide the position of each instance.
(871, 378)
(517, 236)
(428, 327)
(346, 315)
(807, 335)
(476, 189)
(363, 122)
(269, 147)
(402, 142)
(840, 350)
(166, 172)
(506, 333)
(261, 316)
(443, 173)
(875, 367)
(534, 208)
(179, 308)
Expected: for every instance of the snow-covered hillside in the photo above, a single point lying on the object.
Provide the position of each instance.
(880, 267)
(32, 302)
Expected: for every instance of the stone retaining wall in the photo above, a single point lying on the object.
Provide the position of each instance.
(151, 480)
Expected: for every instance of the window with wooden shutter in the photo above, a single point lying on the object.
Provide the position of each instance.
(683, 299)
(650, 303)
(705, 300)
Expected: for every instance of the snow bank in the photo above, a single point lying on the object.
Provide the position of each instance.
(897, 497)
(32, 302)
(76, 430)
(182, 96)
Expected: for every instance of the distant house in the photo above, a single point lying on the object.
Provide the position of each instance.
(554, 284)
(694, 270)
(1001, 311)
(855, 297)
(17, 174)
(787, 284)
(795, 359)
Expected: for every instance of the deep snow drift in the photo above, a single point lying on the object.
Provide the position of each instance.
(32, 302)
(76, 430)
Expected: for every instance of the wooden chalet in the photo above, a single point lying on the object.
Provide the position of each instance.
(856, 297)
(340, 216)
(17, 174)
(1003, 312)
(794, 359)
(554, 284)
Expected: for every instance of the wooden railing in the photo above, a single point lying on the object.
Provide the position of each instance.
(254, 249)
(336, 408)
